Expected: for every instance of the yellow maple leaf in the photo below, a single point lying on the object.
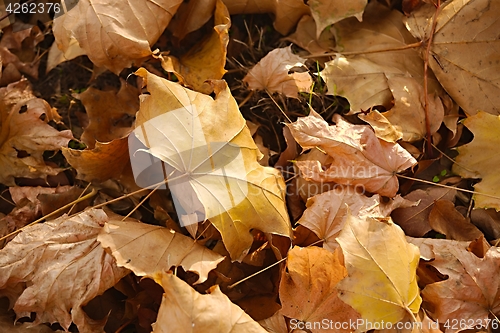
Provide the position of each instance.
(382, 282)
(205, 150)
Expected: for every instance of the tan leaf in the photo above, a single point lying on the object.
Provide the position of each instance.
(472, 290)
(286, 12)
(326, 213)
(444, 218)
(183, 308)
(271, 74)
(382, 282)
(415, 220)
(464, 51)
(94, 164)
(24, 136)
(113, 38)
(111, 114)
(327, 12)
(359, 157)
(206, 62)
(63, 267)
(362, 78)
(478, 159)
(147, 249)
(308, 289)
(191, 16)
(212, 174)
(56, 56)
(275, 324)
(407, 118)
(305, 37)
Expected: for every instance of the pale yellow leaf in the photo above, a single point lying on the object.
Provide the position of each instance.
(406, 120)
(464, 51)
(479, 159)
(60, 267)
(183, 309)
(327, 12)
(206, 62)
(210, 160)
(382, 282)
(148, 249)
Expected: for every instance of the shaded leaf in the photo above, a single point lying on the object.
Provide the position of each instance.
(327, 12)
(445, 219)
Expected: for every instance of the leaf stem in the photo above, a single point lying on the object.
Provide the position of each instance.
(331, 54)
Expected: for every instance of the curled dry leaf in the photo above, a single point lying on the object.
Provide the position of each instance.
(326, 213)
(359, 157)
(25, 134)
(111, 114)
(286, 12)
(184, 308)
(212, 173)
(105, 161)
(271, 74)
(112, 38)
(464, 51)
(477, 160)
(58, 267)
(382, 281)
(313, 274)
(206, 62)
(406, 120)
(472, 290)
(327, 12)
(147, 249)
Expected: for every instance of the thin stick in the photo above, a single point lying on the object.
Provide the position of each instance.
(448, 186)
(90, 195)
(74, 205)
(402, 48)
(256, 273)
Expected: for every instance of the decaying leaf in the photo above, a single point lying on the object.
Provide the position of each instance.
(382, 282)
(313, 275)
(406, 119)
(271, 74)
(327, 12)
(147, 249)
(326, 213)
(464, 50)
(305, 37)
(183, 308)
(359, 157)
(472, 290)
(415, 220)
(444, 218)
(114, 38)
(111, 114)
(206, 62)
(475, 159)
(58, 267)
(210, 160)
(25, 134)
